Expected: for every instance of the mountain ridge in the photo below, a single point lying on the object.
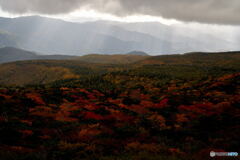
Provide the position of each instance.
(10, 54)
(54, 36)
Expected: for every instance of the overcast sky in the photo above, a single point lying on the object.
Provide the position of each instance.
(225, 12)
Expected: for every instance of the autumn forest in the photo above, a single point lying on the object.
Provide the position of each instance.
(138, 107)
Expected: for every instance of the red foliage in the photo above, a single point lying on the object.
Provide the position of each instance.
(206, 109)
(28, 122)
(5, 96)
(175, 151)
(42, 111)
(140, 109)
(91, 107)
(26, 133)
(36, 98)
(91, 115)
(162, 104)
(64, 114)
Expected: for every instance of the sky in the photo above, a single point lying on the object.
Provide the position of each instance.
(225, 12)
(83, 15)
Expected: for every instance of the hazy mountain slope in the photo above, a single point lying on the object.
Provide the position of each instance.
(53, 36)
(146, 42)
(9, 54)
(56, 36)
(181, 38)
(7, 39)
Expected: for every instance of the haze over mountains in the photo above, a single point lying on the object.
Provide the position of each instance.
(52, 36)
(10, 54)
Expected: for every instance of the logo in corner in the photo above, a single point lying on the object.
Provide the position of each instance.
(212, 154)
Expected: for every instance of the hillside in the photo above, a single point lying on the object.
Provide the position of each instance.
(7, 39)
(42, 71)
(167, 68)
(113, 59)
(170, 110)
(194, 58)
(140, 53)
(10, 54)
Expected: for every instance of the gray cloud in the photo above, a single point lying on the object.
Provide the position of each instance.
(206, 11)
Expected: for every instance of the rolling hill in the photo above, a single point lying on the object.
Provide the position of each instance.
(42, 69)
(190, 66)
(113, 59)
(10, 54)
(140, 53)
(195, 58)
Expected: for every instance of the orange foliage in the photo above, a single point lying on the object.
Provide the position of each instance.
(87, 133)
(36, 98)
(5, 96)
(138, 147)
(175, 151)
(181, 118)
(26, 133)
(42, 111)
(158, 119)
(45, 137)
(206, 109)
(91, 107)
(28, 122)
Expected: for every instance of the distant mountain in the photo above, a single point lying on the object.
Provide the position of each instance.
(9, 54)
(53, 36)
(183, 39)
(56, 36)
(7, 39)
(176, 37)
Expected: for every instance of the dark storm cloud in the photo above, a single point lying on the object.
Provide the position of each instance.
(207, 11)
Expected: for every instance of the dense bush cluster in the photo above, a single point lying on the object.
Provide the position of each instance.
(180, 120)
